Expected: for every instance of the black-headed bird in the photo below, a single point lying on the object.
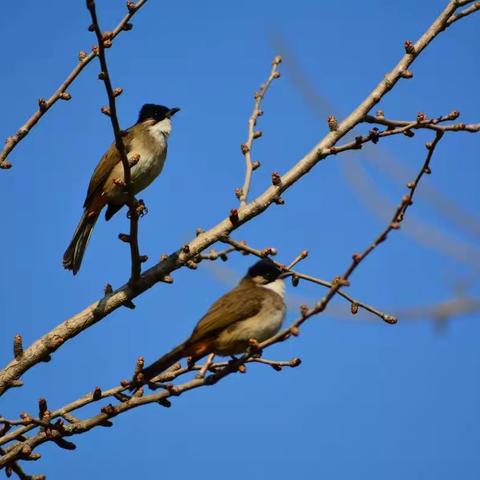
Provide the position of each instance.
(148, 139)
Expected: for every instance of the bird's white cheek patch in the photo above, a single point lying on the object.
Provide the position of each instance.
(161, 129)
(278, 286)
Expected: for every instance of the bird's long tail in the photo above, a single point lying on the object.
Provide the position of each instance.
(72, 258)
(165, 362)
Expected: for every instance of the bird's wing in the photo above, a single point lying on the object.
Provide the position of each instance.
(233, 307)
(105, 166)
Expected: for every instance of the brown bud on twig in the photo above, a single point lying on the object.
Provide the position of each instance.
(406, 74)
(407, 200)
(276, 75)
(276, 179)
(42, 408)
(354, 308)
(5, 165)
(389, 319)
(356, 257)
(65, 96)
(295, 362)
(128, 26)
(409, 133)
(244, 148)
(295, 331)
(454, 115)
(233, 216)
(373, 135)
(186, 248)
(199, 231)
(295, 280)
(131, 6)
(107, 289)
(82, 55)
(379, 114)
(129, 304)
(91, 27)
(427, 170)
(107, 35)
(117, 91)
(143, 258)
(277, 60)
(62, 443)
(109, 410)
(165, 402)
(255, 165)
(242, 369)
(17, 346)
(332, 123)
(105, 110)
(238, 192)
(257, 134)
(107, 43)
(421, 117)
(124, 237)
(191, 265)
(279, 201)
(409, 47)
(97, 394)
(42, 104)
(304, 310)
(26, 418)
(340, 281)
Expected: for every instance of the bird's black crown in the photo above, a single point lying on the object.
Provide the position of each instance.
(155, 112)
(265, 268)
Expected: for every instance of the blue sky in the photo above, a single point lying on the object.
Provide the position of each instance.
(369, 400)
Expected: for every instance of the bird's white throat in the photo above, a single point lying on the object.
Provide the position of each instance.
(278, 286)
(161, 129)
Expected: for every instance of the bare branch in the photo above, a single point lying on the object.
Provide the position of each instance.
(354, 303)
(253, 134)
(61, 92)
(162, 270)
(135, 208)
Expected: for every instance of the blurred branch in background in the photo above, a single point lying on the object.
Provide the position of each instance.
(447, 242)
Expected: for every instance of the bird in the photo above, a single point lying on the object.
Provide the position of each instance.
(252, 311)
(148, 139)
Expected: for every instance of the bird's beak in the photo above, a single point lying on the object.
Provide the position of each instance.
(172, 112)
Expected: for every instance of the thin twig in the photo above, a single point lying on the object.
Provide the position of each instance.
(61, 92)
(355, 303)
(253, 134)
(357, 258)
(112, 113)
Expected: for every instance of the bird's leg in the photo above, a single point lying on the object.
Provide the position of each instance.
(254, 348)
(140, 208)
(206, 366)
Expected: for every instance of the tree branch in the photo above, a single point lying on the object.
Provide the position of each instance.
(250, 166)
(220, 371)
(135, 208)
(61, 92)
(71, 327)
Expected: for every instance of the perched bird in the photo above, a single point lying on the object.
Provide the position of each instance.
(253, 310)
(147, 138)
